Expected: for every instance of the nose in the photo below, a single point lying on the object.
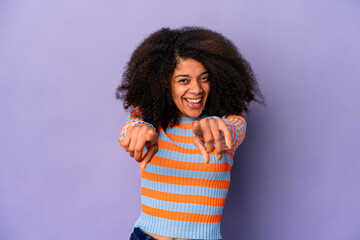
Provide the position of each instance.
(195, 87)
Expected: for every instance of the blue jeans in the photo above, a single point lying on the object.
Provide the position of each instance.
(139, 234)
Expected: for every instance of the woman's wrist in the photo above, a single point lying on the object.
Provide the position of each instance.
(142, 122)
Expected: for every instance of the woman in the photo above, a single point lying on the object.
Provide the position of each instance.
(188, 89)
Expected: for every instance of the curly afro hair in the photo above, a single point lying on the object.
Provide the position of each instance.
(146, 80)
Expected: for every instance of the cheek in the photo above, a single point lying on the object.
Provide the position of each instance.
(173, 92)
(175, 95)
(207, 89)
(177, 92)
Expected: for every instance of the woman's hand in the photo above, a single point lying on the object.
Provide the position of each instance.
(136, 138)
(207, 131)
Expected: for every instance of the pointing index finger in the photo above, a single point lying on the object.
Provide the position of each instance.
(223, 127)
(197, 129)
(200, 146)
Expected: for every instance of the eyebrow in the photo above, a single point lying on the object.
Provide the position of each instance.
(185, 75)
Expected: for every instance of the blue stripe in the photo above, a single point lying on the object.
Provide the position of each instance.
(188, 173)
(195, 158)
(181, 207)
(178, 229)
(179, 131)
(164, 137)
(239, 127)
(182, 189)
(190, 119)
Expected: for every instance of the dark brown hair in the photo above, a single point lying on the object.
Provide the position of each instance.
(146, 80)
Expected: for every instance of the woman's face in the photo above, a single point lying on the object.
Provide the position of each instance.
(190, 87)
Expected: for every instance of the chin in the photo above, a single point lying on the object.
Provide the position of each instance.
(193, 114)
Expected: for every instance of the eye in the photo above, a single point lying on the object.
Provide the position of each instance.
(184, 80)
(205, 79)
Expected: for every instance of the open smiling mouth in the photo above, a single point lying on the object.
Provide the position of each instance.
(193, 103)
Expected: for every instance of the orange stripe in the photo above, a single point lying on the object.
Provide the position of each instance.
(136, 118)
(218, 184)
(163, 144)
(211, 167)
(183, 198)
(173, 147)
(180, 139)
(180, 216)
(183, 139)
(137, 111)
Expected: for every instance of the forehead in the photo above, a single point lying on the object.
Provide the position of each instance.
(188, 66)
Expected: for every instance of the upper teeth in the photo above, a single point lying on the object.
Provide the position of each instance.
(194, 100)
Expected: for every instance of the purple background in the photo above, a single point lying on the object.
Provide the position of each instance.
(63, 175)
